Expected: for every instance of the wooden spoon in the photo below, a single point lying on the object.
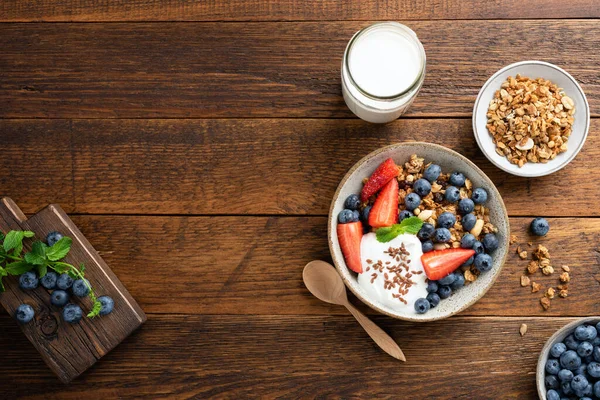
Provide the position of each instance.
(324, 282)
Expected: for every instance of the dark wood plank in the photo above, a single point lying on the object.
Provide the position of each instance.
(277, 10)
(241, 166)
(69, 349)
(250, 265)
(204, 70)
(180, 356)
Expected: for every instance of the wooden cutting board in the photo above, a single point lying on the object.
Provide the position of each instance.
(69, 349)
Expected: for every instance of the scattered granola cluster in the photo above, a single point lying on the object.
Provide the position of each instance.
(540, 260)
(530, 120)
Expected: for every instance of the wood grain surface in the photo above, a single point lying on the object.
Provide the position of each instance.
(223, 356)
(251, 167)
(289, 10)
(204, 70)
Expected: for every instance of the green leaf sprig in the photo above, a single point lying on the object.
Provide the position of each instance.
(410, 225)
(41, 257)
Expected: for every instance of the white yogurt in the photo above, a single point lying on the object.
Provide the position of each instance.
(382, 71)
(373, 250)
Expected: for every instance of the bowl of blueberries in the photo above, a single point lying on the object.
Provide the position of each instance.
(569, 364)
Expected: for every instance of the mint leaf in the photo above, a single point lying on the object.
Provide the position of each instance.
(410, 225)
(2, 236)
(1, 286)
(60, 267)
(18, 268)
(42, 270)
(28, 234)
(13, 239)
(60, 249)
(37, 255)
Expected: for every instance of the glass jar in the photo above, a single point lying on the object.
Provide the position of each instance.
(383, 69)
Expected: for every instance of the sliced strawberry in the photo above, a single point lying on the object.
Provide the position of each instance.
(439, 263)
(349, 236)
(385, 210)
(386, 171)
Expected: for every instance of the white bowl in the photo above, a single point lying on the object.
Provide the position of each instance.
(532, 69)
(450, 161)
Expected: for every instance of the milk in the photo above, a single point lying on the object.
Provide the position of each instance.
(382, 71)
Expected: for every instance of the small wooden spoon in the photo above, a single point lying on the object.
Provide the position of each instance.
(324, 282)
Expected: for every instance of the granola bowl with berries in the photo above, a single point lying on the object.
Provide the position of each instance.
(531, 118)
(417, 231)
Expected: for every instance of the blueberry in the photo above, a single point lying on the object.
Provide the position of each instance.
(107, 305)
(365, 213)
(596, 354)
(466, 206)
(49, 280)
(433, 299)
(28, 281)
(426, 231)
(557, 349)
(467, 241)
(412, 201)
(405, 214)
(24, 313)
(457, 179)
(596, 389)
(422, 187)
(585, 332)
(479, 196)
(427, 246)
(64, 282)
(355, 216)
(432, 286)
(447, 280)
(587, 391)
(469, 261)
(59, 298)
(422, 305)
(432, 172)
(587, 359)
(442, 235)
(483, 262)
(478, 247)
(566, 388)
(596, 341)
(468, 221)
(581, 370)
(452, 194)
(81, 288)
(598, 328)
(458, 282)
(593, 369)
(552, 366)
(571, 342)
(579, 382)
(570, 360)
(53, 237)
(345, 216)
(446, 220)
(551, 382)
(585, 349)
(490, 242)
(565, 375)
(539, 227)
(352, 202)
(552, 395)
(444, 292)
(72, 313)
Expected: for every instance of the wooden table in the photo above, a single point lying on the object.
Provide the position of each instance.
(198, 145)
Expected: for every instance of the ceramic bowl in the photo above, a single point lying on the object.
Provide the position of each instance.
(532, 69)
(450, 161)
(558, 336)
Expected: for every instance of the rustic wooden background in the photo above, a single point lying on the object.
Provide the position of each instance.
(197, 145)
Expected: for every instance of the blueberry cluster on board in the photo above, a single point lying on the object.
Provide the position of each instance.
(573, 366)
(64, 287)
(440, 233)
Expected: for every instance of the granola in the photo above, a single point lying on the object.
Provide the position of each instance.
(530, 120)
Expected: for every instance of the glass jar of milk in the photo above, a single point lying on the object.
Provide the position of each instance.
(382, 71)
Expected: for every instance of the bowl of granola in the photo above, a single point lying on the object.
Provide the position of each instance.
(417, 231)
(531, 118)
